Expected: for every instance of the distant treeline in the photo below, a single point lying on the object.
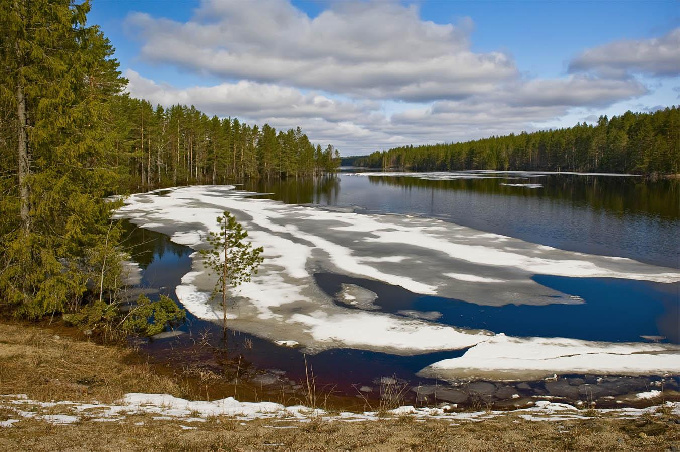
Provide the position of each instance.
(181, 145)
(639, 143)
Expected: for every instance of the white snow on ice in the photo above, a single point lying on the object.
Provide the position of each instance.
(483, 174)
(524, 185)
(649, 394)
(472, 278)
(512, 358)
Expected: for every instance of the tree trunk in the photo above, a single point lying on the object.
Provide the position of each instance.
(23, 155)
(174, 172)
(148, 163)
(158, 165)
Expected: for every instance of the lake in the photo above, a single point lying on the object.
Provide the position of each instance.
(617, 216)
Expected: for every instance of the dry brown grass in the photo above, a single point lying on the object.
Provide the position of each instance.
(142, 432)
(34, 362)
(46, 366)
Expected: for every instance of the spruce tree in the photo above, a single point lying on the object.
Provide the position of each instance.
(57, 87)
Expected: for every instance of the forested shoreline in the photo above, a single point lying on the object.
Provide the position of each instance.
(637, 143)
(181, 145)
(70, 138)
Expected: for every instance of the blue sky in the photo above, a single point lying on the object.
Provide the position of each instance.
(368, 75)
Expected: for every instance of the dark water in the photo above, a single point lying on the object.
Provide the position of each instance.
(613, 310)
(617, 216)
(611, 216)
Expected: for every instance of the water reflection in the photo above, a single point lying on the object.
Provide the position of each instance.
(164, 262)
(614, 310)
(620, 195)
(318, 190)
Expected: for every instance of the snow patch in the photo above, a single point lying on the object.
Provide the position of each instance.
(524, 185)
(649, 394)
(287, 343)
(366, 330)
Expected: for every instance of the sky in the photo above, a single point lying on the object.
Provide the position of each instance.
(370, 75)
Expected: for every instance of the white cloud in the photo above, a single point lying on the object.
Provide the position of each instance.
(246, 99)
(657, 56)
(380, 50)
(574, 91)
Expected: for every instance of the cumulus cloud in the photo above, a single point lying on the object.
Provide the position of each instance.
(657, 56)
(246, 99)
(379, 50)
(574, 91)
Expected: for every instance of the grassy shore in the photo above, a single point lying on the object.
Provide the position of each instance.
(54, 367)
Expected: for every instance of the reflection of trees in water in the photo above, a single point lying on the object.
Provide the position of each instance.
(614, 194)
(321, 190)
(143, 244)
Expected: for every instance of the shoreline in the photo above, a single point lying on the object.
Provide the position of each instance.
(84, 395)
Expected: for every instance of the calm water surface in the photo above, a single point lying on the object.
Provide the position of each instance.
(606, 215)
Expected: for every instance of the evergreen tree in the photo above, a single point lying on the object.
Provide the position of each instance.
(232, 259)
(62, 79)
(641, 143)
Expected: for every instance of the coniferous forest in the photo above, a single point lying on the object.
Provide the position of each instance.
(638, 143)
(70, 138)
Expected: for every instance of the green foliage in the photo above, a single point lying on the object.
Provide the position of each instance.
(640, 143)
(145, 318)
(148, 318)
(59, 78)
(230, 257)
(181, 145)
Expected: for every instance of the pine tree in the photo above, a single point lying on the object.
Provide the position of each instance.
(232, 259)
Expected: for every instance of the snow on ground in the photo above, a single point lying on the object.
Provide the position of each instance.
(649, 394)
(167, 407)
(511, 358)
(423, 255)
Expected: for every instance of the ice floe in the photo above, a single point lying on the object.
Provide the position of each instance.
(423, 255)
(649, 394)
(483, 174)
(524, 185)
(511, 358)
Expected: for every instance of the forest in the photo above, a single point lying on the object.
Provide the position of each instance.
(637, 143)
(72, 142)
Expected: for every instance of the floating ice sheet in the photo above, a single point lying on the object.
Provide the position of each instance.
(422, 255)
(512, 358)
